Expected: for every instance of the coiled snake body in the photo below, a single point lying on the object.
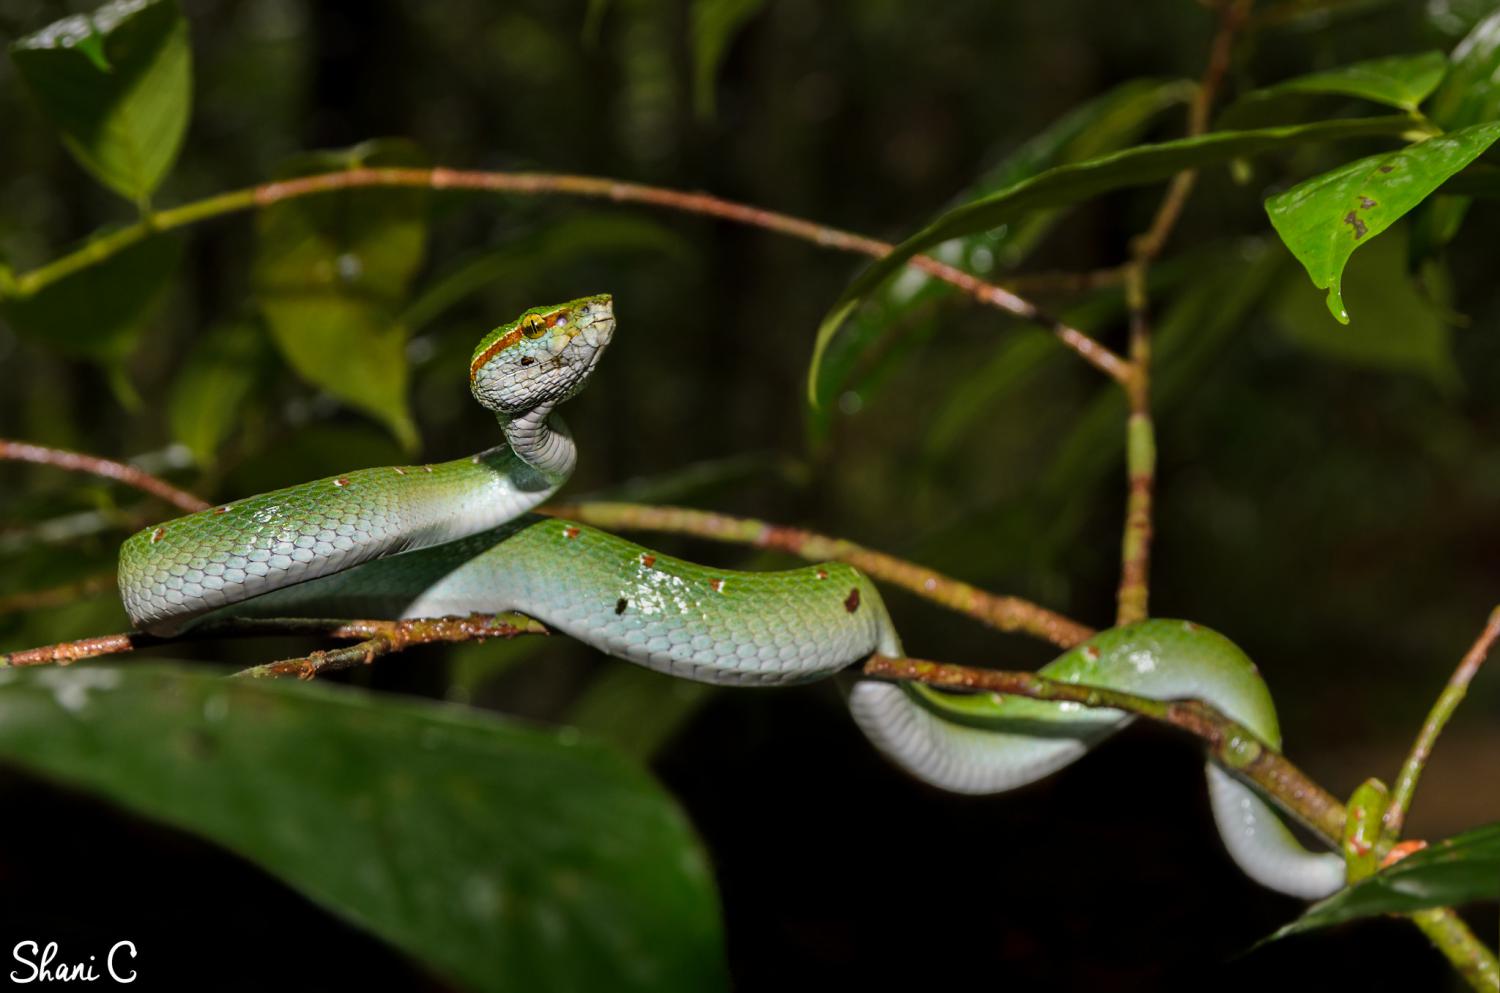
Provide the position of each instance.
(456, 538)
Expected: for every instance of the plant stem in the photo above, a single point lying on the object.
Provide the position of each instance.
(21, 451)
(538, 183)
(1437, 718)
(1005, 613)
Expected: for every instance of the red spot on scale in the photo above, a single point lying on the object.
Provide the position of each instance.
(851, 602)
(224, 509)
(570, 532)
(648, 560)
(822, 573)
(157, 535)
(341, 481)
(717, 585)
(1091, 652)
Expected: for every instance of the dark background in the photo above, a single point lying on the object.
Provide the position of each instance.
(1335, 515)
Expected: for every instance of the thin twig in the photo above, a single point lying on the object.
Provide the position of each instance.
(120, 472)
(536, 183)
(394, 635)
(1005, 613)
(1235, 746)
(1133, 599)
(1442, 710)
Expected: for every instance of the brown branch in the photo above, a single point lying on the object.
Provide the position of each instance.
(1005, 613)
(533, 184)
(1235, 746)
(391, 636)
(107, 468)
(1442, 710)
(1140, 439)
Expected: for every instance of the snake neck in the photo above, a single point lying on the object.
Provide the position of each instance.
(541, 440)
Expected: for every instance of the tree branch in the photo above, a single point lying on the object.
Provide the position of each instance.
(1005, 613)
(539, 183)
(1421, 750)
(21, 451)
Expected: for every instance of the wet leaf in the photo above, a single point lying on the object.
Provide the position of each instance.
(331, 275)
(504, 857)
(1460, 870)
(117, 84)
(66, 315)
(1402, 81)
(1324, 219)
(715, 24)
(1398, 331)
(1073, 183)
(204, 406)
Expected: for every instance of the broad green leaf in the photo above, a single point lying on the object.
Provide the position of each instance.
(715, 23)
(331, 274)
(204, 405)
(635, 709)
(117, 84)
(1470, 95)
(1072, 183)
(1399, 330)
(504, 857)
(1324, 219)
(905, 305)
(1402, 81)
(100, 311)
(1460, 870)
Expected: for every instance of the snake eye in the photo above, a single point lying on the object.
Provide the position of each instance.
(533, 326)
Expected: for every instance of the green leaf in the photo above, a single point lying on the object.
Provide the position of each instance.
(1102, 125)
(1070, 184)
(1471, 93)
(331, 274)
(715, 23)
(505, 857)
(118, 84)
(99, 311)
(1324, 219)
(1459, 870)
(1401, 81)
(1400, 331)
(208, 392)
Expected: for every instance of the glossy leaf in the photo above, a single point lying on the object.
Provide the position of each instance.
(1324, 219)
(1401, 81)
(715, 24)
(332, 273)
(66, 315)
(1070, 184)
(504, 857)
(903, 305)
(204, 406)
(1398, 330)
(117, 84)
(1459, 870)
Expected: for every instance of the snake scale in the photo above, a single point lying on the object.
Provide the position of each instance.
(457, 538)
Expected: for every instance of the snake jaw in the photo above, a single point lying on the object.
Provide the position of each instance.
(543, 357)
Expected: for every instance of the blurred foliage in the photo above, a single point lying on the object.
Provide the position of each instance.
(1327, 496)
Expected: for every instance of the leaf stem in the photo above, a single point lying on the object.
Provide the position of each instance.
(540, 183)
(1421, 750)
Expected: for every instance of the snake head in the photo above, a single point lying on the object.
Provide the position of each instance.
(542, 357)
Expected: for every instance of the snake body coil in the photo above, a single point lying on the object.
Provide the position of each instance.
(456, 538)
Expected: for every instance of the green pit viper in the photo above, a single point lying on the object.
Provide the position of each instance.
(456, 538)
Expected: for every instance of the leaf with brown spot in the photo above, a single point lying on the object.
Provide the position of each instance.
(1314, 218)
